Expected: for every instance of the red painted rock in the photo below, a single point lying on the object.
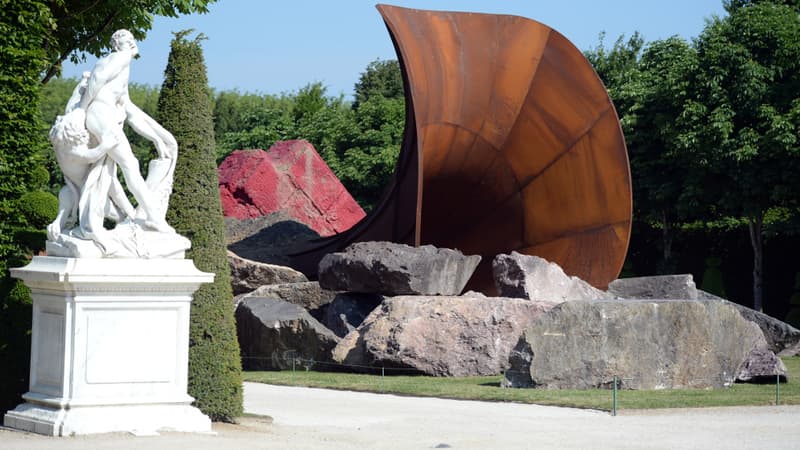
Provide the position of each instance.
(292, 178)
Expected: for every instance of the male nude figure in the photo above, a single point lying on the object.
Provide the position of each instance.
(107, 105)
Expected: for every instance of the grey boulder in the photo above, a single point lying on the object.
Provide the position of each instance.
(762, 366)
(396, 269)
(307, 295)
(248, 275)
(646, 344)
(525, 276)
(655, 287)
(440, 336)
(274, 334)
(347, 311)
(782, 338)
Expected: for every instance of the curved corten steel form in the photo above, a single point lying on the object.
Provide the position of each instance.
(511, 143)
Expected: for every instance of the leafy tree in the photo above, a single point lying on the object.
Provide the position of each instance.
(309, 100)
(246, 121)
(733, 5)
(658, 163)
(24, 25)
(85, 26)
(381, 78)
(369, 162)
(195, 211)
(618, 67)
(743, 121)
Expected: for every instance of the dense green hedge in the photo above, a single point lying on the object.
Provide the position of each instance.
(23, 27)
(184, 108)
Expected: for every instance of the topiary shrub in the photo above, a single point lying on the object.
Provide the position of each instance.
(195, 211)
(38, 207)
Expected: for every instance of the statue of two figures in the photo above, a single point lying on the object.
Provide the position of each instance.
(90, 146)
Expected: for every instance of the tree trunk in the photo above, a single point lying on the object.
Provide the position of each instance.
(666, 236)
(755, 223)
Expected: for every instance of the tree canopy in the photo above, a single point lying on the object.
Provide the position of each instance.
(743, 119)
(81, 27)
(382, 78)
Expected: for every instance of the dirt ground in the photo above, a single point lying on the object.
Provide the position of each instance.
(290, 417)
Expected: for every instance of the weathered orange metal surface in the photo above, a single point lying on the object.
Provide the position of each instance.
(511, 143)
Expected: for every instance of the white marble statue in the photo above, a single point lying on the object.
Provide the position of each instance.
(90, 145)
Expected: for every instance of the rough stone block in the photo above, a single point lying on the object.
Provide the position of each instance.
(395, 269)
(248, 275)
(273, 332)
(440, 335)
(655, 287)
(646, 344)
(308, 295)
(762, 366)
(523, 276)
(289, 177)
(347, 311)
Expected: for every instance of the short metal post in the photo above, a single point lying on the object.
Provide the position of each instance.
(614, 398)
(777, 389)
(382, 375)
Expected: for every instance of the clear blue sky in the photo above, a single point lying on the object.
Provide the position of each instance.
(280, 46)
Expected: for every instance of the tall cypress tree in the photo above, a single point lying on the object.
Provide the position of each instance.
(184, 108)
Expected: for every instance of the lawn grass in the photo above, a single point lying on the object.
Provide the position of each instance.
(489, 389)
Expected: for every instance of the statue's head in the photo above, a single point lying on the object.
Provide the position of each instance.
(69, 132)
(123, 40)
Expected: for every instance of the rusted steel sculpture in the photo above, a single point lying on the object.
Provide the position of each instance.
(511, 143)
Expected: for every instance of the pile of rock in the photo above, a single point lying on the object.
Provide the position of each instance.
(379, 304)
(392, 305)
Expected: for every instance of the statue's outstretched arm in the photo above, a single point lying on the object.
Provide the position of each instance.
(151, 130)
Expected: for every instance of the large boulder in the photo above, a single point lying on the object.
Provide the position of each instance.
(308, 295)
(762, 366)
(525, 276)
(248, 275)
(273, 333)
(782, 338)
(396, 269)
(290, 177)
(655, 287)
(440, 336)
(347, 311)
(646, 344)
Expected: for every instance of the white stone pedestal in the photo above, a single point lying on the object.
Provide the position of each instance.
(109, 348)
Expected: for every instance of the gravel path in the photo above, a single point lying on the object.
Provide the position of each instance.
(326, 419)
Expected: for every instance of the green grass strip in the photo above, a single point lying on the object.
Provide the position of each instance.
(489, 389)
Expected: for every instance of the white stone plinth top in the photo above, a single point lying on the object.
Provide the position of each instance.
(163, 273)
